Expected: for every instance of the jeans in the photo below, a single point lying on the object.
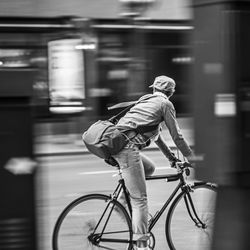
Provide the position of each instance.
(135, 166)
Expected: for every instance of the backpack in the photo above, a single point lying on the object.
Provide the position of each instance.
(104, 139)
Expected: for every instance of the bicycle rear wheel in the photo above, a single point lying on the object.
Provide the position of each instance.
(182, 231)
(81, 225)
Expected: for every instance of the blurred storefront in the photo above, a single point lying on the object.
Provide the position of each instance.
(130, 57)
(95, 56)
(82, 56)
(161, 9)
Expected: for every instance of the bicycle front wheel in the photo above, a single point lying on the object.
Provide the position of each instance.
(190, 220)
(93, 222)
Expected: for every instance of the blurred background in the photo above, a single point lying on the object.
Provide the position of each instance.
(63, 63)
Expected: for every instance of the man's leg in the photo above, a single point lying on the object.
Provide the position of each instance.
(134, 176)
(149, 168)
(148, 165)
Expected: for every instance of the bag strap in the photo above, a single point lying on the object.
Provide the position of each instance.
(121, 105)
(114, 119)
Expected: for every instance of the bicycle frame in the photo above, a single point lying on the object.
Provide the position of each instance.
(121, 187)
(169, 178)
(182, 185)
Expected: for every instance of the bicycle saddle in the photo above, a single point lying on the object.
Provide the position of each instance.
(112, 161)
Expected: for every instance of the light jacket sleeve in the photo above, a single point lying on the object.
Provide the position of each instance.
(159, 141)
(169, 116)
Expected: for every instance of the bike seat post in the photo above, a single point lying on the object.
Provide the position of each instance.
(179, 167)
(120, 172)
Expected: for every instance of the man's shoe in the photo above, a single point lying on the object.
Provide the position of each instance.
(142, 243)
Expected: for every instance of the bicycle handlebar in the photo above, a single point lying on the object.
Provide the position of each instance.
(182, 166)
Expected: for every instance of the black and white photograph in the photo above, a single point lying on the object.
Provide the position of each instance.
(125, 125)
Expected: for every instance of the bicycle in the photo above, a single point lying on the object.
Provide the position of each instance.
(98, 221)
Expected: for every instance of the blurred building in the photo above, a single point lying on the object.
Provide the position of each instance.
(162, 9)
(92, 54)
(62, 63)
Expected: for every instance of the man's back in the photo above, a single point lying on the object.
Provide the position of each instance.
(153, 111)
(147, 112)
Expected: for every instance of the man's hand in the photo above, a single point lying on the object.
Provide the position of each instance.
(172, 159)
(173, 162)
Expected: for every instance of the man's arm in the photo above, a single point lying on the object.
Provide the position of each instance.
(175, 132)
(165, 149)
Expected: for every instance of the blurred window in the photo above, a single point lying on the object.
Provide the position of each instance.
(12, 58)
(66, 72)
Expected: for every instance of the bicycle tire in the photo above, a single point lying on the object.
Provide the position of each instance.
(181, 231)
(78, 220)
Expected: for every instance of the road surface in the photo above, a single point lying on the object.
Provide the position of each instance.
(61, 179)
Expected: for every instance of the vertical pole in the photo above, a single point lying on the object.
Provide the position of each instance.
(222, 113)
(17, 167)
(137, 54)
(134, 11)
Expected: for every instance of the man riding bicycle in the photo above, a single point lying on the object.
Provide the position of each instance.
(151, 111)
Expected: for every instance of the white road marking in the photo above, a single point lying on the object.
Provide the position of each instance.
(81, 213)
(98, 172)
(112, 171)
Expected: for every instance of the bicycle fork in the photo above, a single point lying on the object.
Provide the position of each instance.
(191, 209)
